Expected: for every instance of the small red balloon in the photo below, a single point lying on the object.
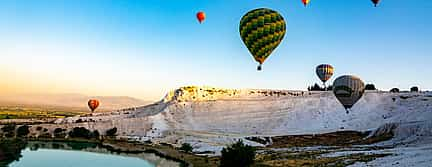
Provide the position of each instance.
(305, 2)
(375, 2)
(201, 16)
(93, 104)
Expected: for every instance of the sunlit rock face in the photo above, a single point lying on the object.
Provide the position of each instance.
(218, 116)
(205, 93)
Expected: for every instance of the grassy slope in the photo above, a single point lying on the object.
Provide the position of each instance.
(37, 112)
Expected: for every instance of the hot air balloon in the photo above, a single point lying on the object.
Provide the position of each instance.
(305, 2)
(324, 72)
(201, 16)
(262, 30)
(375, 2)
(348, 90)
(93, 104)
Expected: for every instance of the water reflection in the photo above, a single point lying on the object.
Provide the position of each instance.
(34, 153)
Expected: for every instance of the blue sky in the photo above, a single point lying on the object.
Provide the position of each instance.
(145, 48)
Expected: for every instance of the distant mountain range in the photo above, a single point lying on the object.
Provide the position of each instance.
(108, 103)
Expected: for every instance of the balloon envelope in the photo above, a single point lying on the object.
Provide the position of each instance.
(375, 2)
(348, 90)
(305, 2)
(93, 104)
(324, 72)
(262, 30)
(201, 16)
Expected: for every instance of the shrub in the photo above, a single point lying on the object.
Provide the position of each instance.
(330, 88)
(23, 131)
(111, 132)
(370, 87)
(60, 135)
(414, 89)
(186, 147)
(315, 87)
(9, 130)
(394, 90)
(96, 134)
(80, 132)
(238, 154)
(45, 135)
(59, 132)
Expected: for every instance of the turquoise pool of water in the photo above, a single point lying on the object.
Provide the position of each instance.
(15, 153)
(71, 158)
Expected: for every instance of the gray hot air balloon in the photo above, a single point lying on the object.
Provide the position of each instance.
(348, 90)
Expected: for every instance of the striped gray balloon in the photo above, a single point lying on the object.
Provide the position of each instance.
(348, 90)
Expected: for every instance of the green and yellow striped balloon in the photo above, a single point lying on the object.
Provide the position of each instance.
(262, 30)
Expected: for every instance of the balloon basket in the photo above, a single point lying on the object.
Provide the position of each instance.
(259, 68)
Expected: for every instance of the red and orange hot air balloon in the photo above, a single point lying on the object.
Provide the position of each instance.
(375, 2)
(93, 104)
(305, 2)
(201, 16)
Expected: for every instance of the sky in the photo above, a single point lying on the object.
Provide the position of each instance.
(145, 48)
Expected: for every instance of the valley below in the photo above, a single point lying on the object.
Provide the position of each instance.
(287, 128)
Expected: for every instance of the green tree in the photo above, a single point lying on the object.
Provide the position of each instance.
(186, 147)
(414, 89)
(59, 132)
(23, 131)
(111, 132)
(96, 134)
(80, 132)
(9, 130)
(238, 154)
(316, 87)
(394, 90)
(370, 87)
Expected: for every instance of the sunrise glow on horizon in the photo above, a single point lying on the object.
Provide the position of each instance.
(143, 49)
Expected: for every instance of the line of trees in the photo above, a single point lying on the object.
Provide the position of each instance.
(370, 86)
(412, 89)
(12, 131)
(317, 87)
